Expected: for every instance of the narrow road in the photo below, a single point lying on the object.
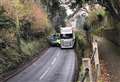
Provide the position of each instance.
(111, 55)
(55, 65)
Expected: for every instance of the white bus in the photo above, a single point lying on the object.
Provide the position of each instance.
(67, 37)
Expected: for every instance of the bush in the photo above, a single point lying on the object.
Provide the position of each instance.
(10, 58)
(80, 41)
(23, 43)
(80, 46)
(98, 31)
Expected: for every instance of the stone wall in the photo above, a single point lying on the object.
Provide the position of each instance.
(113, 35)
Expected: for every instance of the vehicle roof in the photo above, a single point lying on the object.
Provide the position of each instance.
(66, 30)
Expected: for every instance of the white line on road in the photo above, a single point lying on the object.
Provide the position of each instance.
(45, 73)
(53, 61)
(58, 54)
(55, 58)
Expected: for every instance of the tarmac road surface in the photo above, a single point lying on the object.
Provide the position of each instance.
(55, 65)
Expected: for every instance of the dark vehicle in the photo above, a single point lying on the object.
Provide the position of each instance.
(54, 40)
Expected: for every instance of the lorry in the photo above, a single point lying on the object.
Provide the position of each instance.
(67, 37)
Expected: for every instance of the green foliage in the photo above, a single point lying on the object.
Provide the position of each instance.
(54, 9)
(81, 40)
(96, 15)
(20, 11)
(100, 81)
(18, 50)
(114, 8)
(98, 31)
(5, 21)
(31, 47)
(53, 6)
(10, 58)
(2, 10)
(81, 43)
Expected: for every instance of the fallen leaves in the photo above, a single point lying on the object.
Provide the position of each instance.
(105, 76)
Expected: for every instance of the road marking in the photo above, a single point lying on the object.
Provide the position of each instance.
(53, 61)
(58, 54)
(45, 73)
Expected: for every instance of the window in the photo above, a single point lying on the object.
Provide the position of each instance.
(66, 36)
